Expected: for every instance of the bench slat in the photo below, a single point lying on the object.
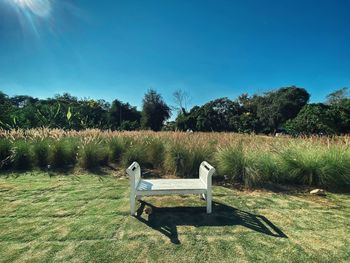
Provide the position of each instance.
(170, 184)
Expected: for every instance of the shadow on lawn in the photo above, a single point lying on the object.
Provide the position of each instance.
(165, 220)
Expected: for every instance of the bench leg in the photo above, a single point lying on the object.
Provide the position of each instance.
(208, 198)
(132, 204)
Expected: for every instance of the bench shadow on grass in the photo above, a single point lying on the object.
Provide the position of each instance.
(165, 220)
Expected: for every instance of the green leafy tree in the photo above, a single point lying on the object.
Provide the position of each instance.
(120, 113)
(276, 107)
(313, 119)
(339, 102)
(338, 96)
(6, 109)
(154, 111)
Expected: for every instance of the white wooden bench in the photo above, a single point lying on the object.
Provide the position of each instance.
(142, 187)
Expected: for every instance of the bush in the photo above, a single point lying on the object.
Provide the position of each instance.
(64, 153)
(92, 155)
(41, 150)
(22, 156)
(5, 153)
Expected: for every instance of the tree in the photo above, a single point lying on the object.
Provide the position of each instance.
(215, 115)
(187, 120)
(313, 119)
(341, 114)
(120, 112)
(339, 102)
(276, 107)
(338, 96)
(181, 100)
(247, 121)
(5, 111)
(154, 111)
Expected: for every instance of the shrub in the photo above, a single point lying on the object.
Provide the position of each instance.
(64, 153)
(5, 153)
(22, 156)
(93, 154)
(41, 150)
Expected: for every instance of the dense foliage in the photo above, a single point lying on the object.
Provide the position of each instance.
(285, 109)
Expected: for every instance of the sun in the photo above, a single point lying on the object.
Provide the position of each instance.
(41, 8)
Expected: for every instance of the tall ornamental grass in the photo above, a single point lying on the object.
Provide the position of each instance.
(230, 161)
(41, 152)
(315, 165)
(5, 153)
(154, 151)
(134, 152)
(116, 147)
(184, 161)
(64, 153)
(261, 168)
(22, 155)
(93, 154)
(251, 160)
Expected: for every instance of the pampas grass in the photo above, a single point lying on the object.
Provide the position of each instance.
(230, 161)
(5, 153)
(22, 155)
(184, 161)
(63, 153)
(252, 160)
(41, 151)
(93, 154)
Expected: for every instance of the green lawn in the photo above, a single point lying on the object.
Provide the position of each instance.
(86, 219)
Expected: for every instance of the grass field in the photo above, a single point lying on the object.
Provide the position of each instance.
(84, 218)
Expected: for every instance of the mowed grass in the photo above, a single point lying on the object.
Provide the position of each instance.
(85, 218)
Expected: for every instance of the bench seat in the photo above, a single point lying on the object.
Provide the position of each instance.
(145, 187)
(170, 186)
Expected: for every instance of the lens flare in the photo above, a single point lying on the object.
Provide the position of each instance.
(40, 8)
(40, 17)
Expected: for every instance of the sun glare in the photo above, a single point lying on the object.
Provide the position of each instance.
(40, 8)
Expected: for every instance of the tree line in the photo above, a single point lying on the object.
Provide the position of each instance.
(282, 110)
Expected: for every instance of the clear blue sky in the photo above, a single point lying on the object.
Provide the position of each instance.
(119, 49)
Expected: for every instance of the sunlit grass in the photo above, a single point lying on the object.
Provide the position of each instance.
(85, 218)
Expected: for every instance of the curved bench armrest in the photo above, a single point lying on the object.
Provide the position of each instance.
(205, 173)
(134, 171)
